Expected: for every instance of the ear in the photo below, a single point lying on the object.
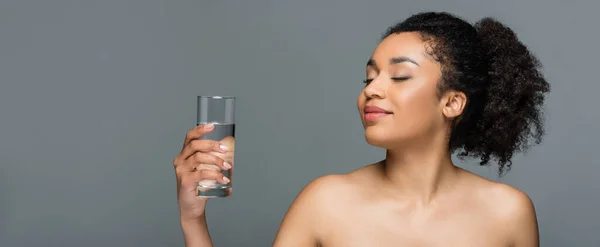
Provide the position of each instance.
(453, 103)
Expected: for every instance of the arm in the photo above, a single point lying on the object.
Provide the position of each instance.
(195, 232)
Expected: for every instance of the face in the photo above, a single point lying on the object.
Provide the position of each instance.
(399, 103)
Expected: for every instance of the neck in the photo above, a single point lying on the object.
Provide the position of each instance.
(419, 173)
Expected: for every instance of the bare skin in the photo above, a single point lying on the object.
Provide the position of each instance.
(357, 210)
(416, 196)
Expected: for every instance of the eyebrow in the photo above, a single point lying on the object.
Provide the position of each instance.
(395, 60)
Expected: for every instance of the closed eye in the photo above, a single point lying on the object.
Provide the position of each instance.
(398, 79)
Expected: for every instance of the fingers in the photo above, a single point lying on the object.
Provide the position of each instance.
(198, 161)
(203, 146)
(203, 160)
(197, 132)
(211, 175)
(198, 152)
(191, 179)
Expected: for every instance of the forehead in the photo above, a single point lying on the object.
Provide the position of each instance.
(408, 44)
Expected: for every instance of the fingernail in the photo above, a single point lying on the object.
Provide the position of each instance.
(227, 165)
(226, 180)
(223, 147)
(209, 126)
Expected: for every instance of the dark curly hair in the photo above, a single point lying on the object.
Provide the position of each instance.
(500, 77)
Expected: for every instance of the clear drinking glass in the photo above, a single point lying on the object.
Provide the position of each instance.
(220, 111)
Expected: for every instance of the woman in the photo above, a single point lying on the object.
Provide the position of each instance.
(434, 85)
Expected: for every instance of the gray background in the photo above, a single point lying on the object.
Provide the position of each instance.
(96, 97)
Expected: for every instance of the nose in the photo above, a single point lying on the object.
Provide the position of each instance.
(375, 89)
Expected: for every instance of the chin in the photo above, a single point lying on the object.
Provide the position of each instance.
(378, 137)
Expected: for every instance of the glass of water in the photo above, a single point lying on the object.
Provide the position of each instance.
(220, 111)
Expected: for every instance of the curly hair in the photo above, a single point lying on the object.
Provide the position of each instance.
(501, 78)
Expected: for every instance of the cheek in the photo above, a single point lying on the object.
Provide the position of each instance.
(417, 108)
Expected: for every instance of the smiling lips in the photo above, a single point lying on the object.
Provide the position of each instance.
(373, 113)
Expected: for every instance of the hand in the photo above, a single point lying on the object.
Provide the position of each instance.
(199, 160)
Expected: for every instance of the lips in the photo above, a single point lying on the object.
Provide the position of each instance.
(373, 113)
(375, 109)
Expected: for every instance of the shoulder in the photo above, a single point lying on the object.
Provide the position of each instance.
(511, 204)
(326, 191)
(336, 188)
(505, 200)
(515, 205)
(512, 209)
(310, 213)
(519, 215)
(513, 198)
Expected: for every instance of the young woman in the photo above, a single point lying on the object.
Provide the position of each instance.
(434, 85)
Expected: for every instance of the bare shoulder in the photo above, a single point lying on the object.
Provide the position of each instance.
(518, 215)
(327, 184)
(512, 201)
(511, 207)
(326, 191)
(326, 194)
(505, 200)
(308, 216)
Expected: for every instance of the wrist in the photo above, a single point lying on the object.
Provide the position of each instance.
(185, 220)
(195, 231)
